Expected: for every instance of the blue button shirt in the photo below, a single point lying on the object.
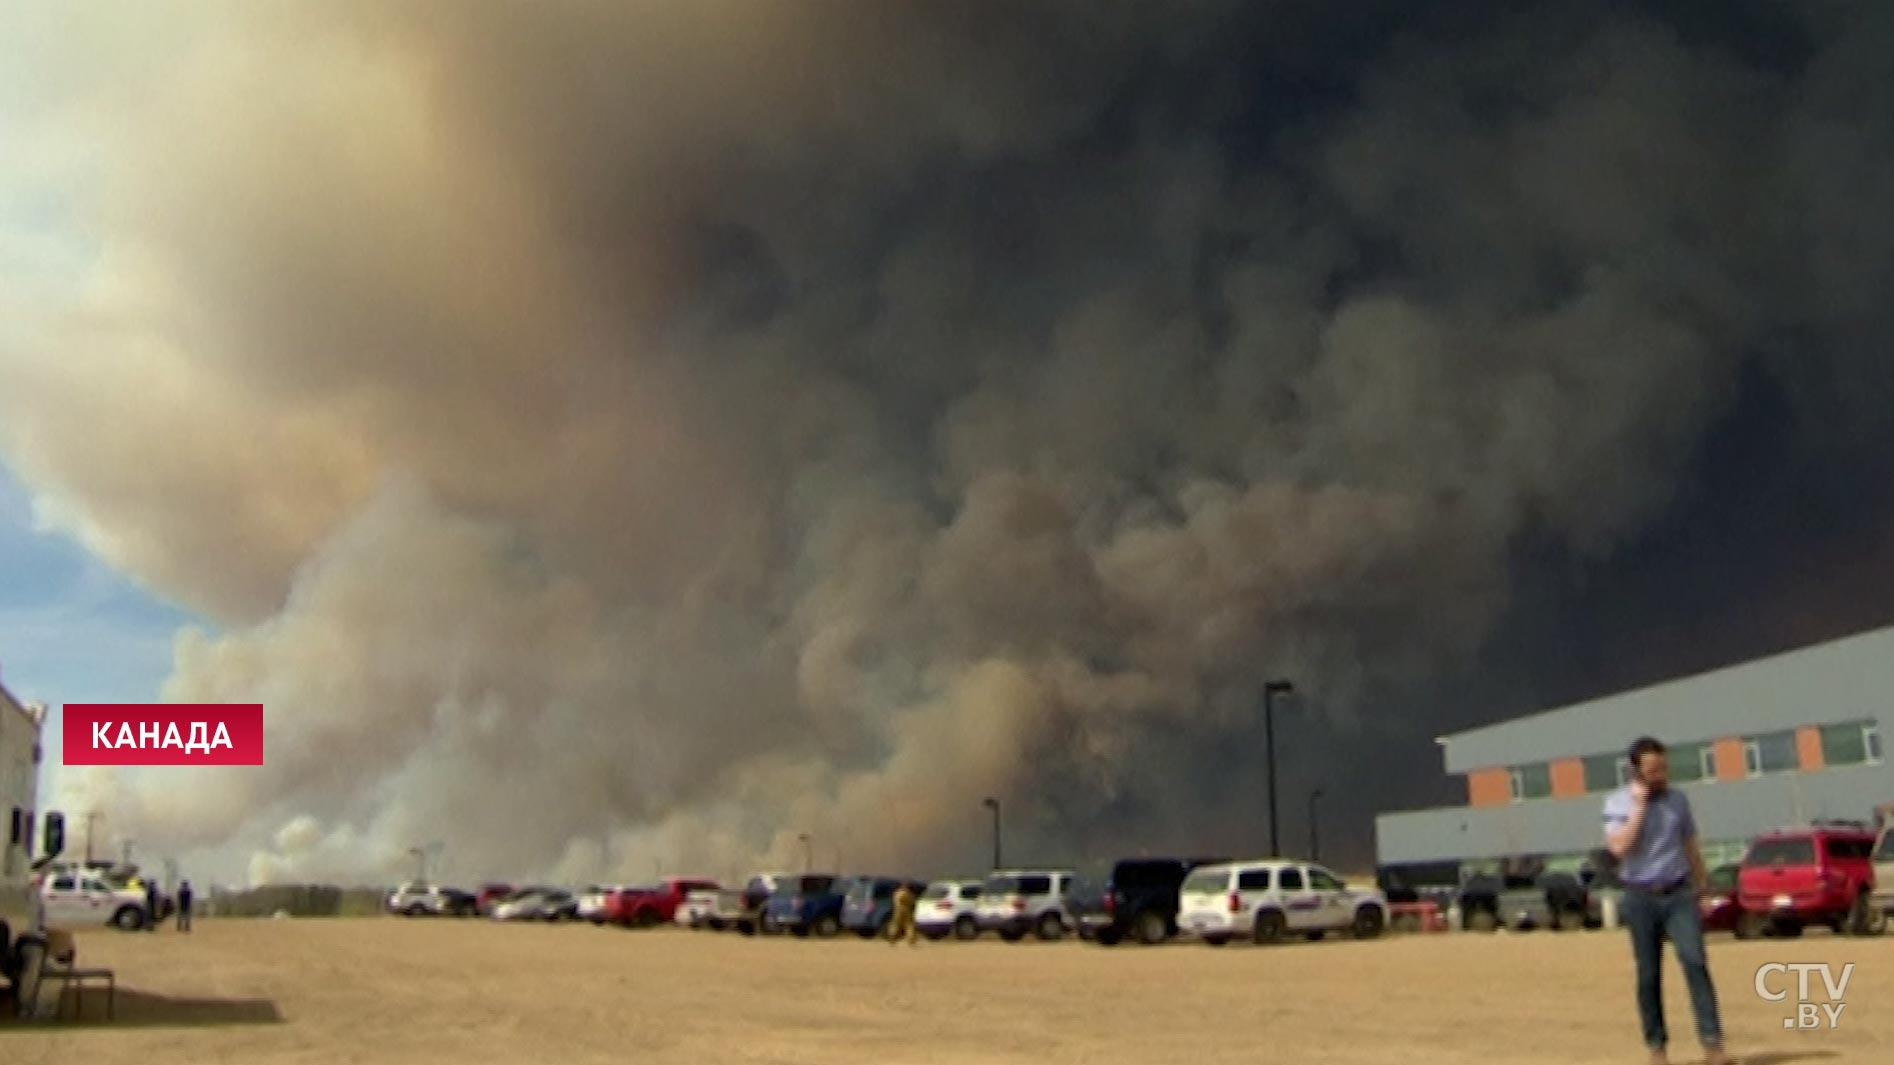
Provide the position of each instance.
(1658, 857)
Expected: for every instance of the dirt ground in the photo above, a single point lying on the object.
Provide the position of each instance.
(411, 992)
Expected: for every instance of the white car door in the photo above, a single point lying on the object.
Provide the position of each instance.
(60, 895)
(1335, 908)
(1301, 904)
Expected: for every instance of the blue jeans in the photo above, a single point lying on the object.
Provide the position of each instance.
(1653, 918)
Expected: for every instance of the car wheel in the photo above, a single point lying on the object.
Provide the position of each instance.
(128, 919)
(416, 910)
(826, 926)
(965, 928)
(1269, 927)
(1051, 927)
(1750, 925)
(1369, 922)
(1152, 929)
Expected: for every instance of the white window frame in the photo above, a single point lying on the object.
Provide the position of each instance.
(1752, 759)
(1706, 761)
(1624, 773)
(1871, 742)
(1516, 781)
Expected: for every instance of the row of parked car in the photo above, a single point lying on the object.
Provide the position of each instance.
(1147, 900)
(1833, 874)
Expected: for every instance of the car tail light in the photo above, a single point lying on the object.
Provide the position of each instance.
(1236, 902)
(943, 905)
(1019, 903)
(1111, 902)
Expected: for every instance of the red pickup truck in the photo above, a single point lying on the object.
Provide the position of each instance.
(649, 907)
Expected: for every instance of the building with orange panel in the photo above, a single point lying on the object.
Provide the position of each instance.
(1783, 740)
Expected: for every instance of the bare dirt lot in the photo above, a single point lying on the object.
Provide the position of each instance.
(409, 992)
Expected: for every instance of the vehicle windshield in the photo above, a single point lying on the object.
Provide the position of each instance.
(1207, 881)
(1769, 852)
(1134, 876)
(1018, 885)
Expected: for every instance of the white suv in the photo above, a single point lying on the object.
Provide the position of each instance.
(1019, 901)
(1269, 899)
(947, 907)
(82, 899)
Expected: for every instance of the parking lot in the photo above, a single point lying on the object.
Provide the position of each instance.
(406, 992)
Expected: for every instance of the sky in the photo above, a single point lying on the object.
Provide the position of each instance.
(77, 631)
(707, 425)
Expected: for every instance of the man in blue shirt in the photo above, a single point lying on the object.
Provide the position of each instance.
(1650, 830)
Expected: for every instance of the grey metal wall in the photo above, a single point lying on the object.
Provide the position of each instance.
(1826, 684)
(1726, 810)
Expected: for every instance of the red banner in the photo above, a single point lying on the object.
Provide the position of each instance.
(163, 733)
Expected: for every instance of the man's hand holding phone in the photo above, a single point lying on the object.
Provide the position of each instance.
(1640, 791)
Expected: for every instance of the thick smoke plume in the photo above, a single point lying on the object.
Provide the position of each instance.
(621, 437)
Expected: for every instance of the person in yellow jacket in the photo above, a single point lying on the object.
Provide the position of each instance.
(903, 923)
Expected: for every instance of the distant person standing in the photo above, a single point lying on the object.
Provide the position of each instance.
(903, 925)
(152, 913)
(184, 906)
(1650, 829)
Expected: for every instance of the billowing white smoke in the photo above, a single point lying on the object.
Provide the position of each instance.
(616, 442)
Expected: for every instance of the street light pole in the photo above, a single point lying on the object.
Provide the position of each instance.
(994, 805)
(1315, 846)
(91, 818)
(1270, 691)
(808, 856)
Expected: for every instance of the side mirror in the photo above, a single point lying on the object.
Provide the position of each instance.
(55, 841)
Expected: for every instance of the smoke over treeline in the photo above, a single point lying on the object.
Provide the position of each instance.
(610, 437)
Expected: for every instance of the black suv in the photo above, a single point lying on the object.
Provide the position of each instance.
(1137, 897)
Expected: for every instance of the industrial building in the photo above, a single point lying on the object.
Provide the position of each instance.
(1777, 741)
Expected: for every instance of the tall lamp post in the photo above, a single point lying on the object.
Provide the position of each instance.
(808, 857)
(1315, 845)
(420, 864)
(1270, 691)
(994, 805)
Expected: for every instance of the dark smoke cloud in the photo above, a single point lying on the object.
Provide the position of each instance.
(707, 423)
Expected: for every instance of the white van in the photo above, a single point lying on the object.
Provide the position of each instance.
(1270, 899)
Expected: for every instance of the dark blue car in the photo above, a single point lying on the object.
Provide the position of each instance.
(805, 904)
(868, 905)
